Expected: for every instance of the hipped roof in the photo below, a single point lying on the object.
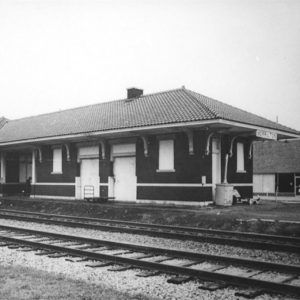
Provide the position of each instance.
(169, 107)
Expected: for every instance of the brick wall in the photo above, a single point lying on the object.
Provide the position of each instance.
(69, 168)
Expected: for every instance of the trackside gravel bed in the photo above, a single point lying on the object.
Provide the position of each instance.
(229, 218)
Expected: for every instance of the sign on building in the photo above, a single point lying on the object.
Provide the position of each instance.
(265, 134)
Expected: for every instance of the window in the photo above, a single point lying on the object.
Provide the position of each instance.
(240, 165)
(57, 160)
(166, 156)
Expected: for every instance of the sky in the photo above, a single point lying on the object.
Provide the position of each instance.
(60, 54)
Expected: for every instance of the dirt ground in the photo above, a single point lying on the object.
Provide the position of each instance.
(25, 283)
(227, 218)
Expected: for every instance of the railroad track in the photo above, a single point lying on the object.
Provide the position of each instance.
(193, 266)
(233, 238)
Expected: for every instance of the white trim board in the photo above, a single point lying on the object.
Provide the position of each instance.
(188, 184)
(53, 197)
(54, 183)
(175, 202)
(143, 201)
(139, 184)
(176, 184)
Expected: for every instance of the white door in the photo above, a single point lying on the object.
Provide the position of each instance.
(125, 178)
(89, 177)
(216, 163)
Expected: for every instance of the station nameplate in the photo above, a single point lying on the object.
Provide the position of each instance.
(265, 134)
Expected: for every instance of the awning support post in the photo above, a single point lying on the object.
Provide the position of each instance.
(33, 175)
(226, 168)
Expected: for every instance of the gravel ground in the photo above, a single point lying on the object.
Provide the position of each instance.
(127, 281)
(279, 257)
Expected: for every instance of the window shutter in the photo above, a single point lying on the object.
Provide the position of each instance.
(166, 155)
(240, 157)
(57, 160)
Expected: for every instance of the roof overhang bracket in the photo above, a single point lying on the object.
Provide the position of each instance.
(67, 146)
(103, 149)
(145, 143)
(231, 145)
(208, 142)
(39, 151)
(190, 136)
(251, 149)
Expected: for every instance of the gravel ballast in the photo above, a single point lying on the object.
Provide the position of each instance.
(127, 281)
(214, 249)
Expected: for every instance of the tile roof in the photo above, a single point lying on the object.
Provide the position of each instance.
(175, 106)
(276, 157)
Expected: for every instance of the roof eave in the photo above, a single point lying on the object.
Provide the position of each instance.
(190, 124)
(282, 134)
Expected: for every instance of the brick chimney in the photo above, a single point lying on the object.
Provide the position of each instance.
(134, 93)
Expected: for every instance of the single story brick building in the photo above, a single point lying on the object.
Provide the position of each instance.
(276, 168)
(172, 146)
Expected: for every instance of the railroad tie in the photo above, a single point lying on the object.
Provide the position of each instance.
(212, 286)
(15, 247)
(26, 249)
(249, 293)
(120, 268)
(82, 247)
(123, 252)
(148, 273)
(6, 244)
(45, 252)
(100, 265)
(58, 255)
(143, 256)
(179, 279)
(77, 259)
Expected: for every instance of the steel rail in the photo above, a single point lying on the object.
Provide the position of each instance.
(295, 269)
(204, 275)
(147, 229)
(169, 227)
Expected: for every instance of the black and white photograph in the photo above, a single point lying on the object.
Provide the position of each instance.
(149, 149)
